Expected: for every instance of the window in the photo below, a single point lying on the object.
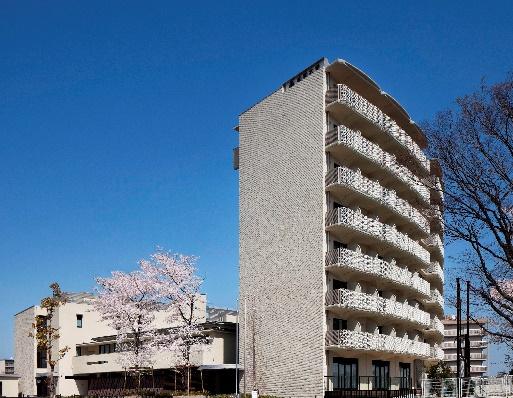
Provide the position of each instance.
(79, 320)
(380, 329)
(405, 376)
(79, 351)
(339, 284)
(106, 348)
(381, 375)
(345, 373)
(41, 359)
(339, 324)
(339, 245)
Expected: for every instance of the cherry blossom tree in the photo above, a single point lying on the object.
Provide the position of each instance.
(178, 285)
(127, 302)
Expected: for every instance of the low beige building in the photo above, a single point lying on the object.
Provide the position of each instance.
(92, 360)
(8, 379)
(478, 345)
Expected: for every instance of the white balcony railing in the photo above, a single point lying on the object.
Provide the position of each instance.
(436, 298)
(369, 265)
(472, 332)
(434, 241)
(436, 324)
(437, 353)
(477, 356)
(475, 344)
(354, 140)
(373, 189)
(473, 369)
(435, 270)
(377, 305)
(377, 117)
(354, 219)
(381, 343)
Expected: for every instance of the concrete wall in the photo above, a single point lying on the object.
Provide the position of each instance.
(282, 240)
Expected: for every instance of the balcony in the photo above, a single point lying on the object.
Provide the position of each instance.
(473, 344)
(436, 299)
(360, 112)
(473, 369)
(383, 237)
(350, 260)
(476, 356)
(376, 306)
(436, 326)
(347, 143)
(434, 244)
(379, 343)
(434, 271)
(98, 363)
(472, 332)
(341, 178)
(437, 353)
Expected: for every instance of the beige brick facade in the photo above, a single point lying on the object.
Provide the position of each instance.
(338, 262)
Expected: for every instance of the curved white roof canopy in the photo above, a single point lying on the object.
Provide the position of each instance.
(349, 74)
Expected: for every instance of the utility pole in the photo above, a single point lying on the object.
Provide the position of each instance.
(467, 335)
(458, 337)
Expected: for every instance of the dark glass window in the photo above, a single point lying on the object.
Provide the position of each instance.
(41, 359)
(80, 318)
(79, 351)
(381, 375)
(345, 373)
(339, 284)
(339, 245)
(405, 375)
(339, 324)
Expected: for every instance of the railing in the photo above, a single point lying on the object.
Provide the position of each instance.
(475, 369)
(369, 226)
(343, 386)
(377, 117)
(452, 357)
(482, 387)
(354, 140)
(436, 298)
(437, 353)
(377, 342)
(434, 241)
(375, 266)
(378, 305)
(436, 324)
(472, 332)
(373, 189)
(451, 344)
(435, 269)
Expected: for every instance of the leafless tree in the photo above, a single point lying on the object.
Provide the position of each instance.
(474, 147)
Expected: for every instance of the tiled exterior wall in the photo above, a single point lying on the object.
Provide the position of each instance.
(25, 351)
(282, 240)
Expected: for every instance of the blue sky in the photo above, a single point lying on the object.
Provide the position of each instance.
(116, 118)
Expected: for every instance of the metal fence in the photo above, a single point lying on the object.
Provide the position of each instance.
(479, 387)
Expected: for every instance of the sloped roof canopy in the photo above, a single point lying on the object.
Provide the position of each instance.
(343, 72)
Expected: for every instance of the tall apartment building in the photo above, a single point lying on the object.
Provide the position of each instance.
(341, 274)
(92, 362)
(478, 345)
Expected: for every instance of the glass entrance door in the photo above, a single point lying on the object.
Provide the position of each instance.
(381, 374)
(405, 375)
(345, 373)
